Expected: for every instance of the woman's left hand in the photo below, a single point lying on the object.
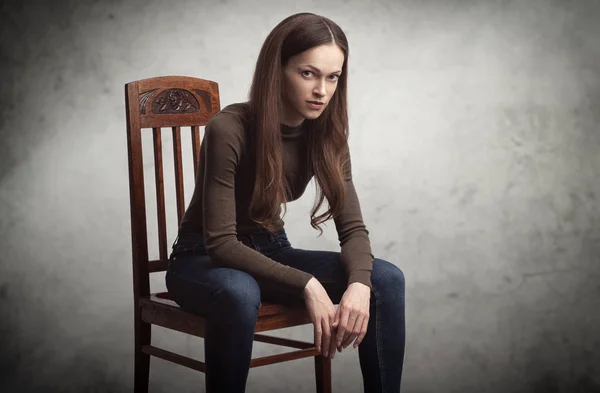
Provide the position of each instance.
(352, 316)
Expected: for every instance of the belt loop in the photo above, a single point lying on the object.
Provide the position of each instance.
(252, 242)
(274, 237)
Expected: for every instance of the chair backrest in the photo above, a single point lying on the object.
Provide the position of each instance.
(154, 103)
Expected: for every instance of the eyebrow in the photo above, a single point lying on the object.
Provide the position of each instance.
(318, 70)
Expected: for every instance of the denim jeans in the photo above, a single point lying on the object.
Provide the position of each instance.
(230, 299)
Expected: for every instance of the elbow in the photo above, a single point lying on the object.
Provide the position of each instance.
(220, 250)
(215, 252)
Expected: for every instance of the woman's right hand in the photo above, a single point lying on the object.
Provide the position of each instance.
(321, 312)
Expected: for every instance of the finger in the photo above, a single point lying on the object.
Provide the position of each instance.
(332, 346)
(318, 336)
(336, 318)
(341, 329)
(354, 332)
(348, 340)
(346, 337)
(334, 334)
(338, 347)
(326, 339)
(360, 324)
(362, 333)
(349, 328)
(334, 330)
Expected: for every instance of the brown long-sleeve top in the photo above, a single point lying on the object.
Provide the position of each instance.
(224, 184)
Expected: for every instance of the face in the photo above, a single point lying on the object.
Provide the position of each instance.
(310, 76)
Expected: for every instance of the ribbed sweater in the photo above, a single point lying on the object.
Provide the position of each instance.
(224, 184)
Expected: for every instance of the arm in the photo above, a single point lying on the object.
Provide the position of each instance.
(352, 315)
(356, 255)
(224, 145)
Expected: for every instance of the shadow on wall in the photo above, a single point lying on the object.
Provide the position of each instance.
(550, 383)
(38, 353)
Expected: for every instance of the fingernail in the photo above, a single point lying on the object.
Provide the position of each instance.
(339, 343)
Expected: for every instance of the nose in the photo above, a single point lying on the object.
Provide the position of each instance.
(320, 89)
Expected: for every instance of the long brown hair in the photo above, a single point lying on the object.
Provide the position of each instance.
(327, 136)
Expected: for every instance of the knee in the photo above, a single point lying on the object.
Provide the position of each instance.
(387, 277)
(242, 294)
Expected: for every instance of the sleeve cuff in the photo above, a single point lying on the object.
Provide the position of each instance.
(295, 281)
(361, 276)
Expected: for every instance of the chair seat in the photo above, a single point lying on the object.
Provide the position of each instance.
(160, 309)
(266, 308)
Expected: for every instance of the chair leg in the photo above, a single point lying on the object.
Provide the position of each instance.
(323, 374)
(142, 361)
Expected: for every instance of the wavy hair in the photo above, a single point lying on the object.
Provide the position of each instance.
(327, 136)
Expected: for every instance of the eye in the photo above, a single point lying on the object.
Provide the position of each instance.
(306, 71)
(334, 77)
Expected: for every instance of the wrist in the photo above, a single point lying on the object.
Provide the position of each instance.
(308, 288)
(361, 276)
(359, 285)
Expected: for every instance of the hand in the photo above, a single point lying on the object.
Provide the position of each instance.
(321, 312)
(352, 316)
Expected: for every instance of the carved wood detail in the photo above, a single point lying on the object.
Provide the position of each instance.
(205, 96)
(144, 97)
(175, 101)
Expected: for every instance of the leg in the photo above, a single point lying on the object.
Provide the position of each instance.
(381, 354)
(323, 374)
(230, 300)
(326, 268)
(142, 360)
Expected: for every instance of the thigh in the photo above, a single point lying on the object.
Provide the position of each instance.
(325, 266)
(196, 284)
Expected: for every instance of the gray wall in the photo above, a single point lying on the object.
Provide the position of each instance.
(475, 140)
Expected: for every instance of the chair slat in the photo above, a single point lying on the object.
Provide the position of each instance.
(283, 341)
(160, 193)
(178, 173)
(174, 358)
(196, 148)
(283, 357)
(158, 265)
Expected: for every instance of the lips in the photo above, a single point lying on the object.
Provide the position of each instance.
(315, 104)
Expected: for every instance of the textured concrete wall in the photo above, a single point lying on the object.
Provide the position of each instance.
(476, 146)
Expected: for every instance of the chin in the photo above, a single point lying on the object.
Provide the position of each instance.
(312, 114)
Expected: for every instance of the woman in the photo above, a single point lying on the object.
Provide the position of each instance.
(232, 249)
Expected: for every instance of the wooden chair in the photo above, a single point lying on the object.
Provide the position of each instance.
(176, 102)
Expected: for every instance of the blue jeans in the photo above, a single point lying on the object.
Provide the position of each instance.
(229, 299)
